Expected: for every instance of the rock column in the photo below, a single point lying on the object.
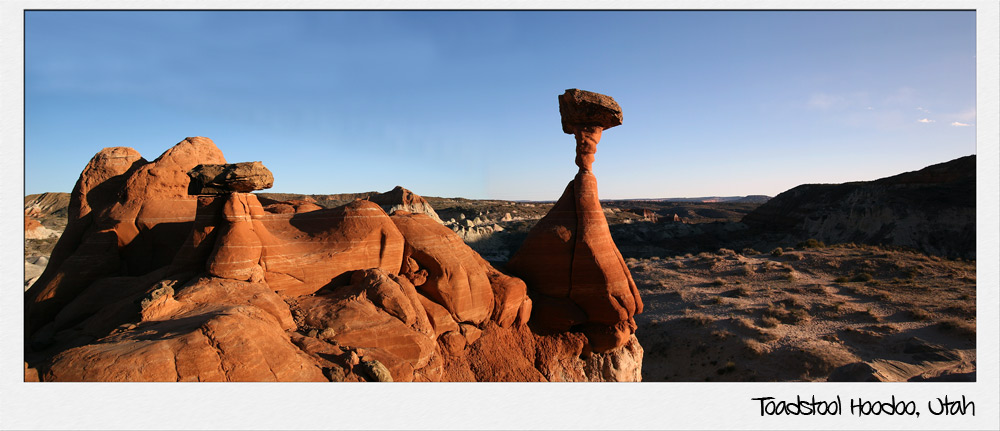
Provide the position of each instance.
(569, 261)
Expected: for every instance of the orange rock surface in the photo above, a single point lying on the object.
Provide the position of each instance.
(157, 285)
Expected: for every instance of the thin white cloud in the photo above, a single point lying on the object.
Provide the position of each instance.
(923, 110)
(870, 108)
(925, 121)
(957, 124)
(824, 101)
(966, 115)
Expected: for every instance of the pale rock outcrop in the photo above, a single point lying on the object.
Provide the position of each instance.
(400, 199)
(33, 229)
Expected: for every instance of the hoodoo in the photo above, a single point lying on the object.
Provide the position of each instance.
(577, 276)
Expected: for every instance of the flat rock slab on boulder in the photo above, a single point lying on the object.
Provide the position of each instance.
(226, 178)
(581, 107)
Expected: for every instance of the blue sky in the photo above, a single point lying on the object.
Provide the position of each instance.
(464, 103)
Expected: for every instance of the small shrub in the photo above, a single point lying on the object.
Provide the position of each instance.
(798, 315)
(720, 335)
(754, 347)
(792, 302)
(777, 252)
(744, 323)
(862, 277)
(747, 269)
(718, 282)
(769, 322)
(749, 252)
(918, 314)
(840, 280)
(791, 276)
(728, 368)
(726, 252)
(698, 319)
(958, 326)
(811, 243)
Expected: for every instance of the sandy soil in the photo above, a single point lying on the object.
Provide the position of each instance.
(798, 315)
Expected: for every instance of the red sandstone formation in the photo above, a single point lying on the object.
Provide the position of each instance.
(33, 229)
(569, 260)
(31, 224)
(646, 214)
(158, 285)
(125, 216)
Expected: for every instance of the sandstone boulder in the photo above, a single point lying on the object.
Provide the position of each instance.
(227, 178)
(379, 313)
(125, 216)
(456, 275)
(580, 107)
(236, 343)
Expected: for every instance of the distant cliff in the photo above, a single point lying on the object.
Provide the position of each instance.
(932, 210)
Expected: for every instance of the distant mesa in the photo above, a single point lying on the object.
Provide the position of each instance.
(932, 210)
(170, 270)
(46, 204)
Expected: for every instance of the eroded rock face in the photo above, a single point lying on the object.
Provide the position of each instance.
(126, 216)
(400, 199)
(290, 292)
(932, 210)
(579, 277)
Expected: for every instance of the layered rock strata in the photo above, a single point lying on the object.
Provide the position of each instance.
(932, 210)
